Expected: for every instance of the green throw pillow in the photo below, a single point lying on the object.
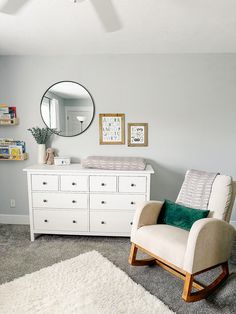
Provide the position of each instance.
(180, 216)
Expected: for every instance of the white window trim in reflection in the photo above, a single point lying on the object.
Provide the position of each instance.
(45, 108)
(50, 111)
(54, 113)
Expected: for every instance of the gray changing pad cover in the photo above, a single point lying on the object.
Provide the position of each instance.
(114, 163)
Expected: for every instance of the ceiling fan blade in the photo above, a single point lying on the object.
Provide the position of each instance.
(13, 6)
(107, 15)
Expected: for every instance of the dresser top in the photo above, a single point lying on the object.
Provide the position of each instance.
(76, 167)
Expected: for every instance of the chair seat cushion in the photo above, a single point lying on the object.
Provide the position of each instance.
(166, 242)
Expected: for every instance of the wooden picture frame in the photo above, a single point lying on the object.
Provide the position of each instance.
(137, 134)
(111, 128)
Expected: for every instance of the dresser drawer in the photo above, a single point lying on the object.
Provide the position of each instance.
(59, 200)
(103, 183)
(133, 184)
(44, 182)
(74, 183)
(62, 220)
(115, 201)
(112, 222)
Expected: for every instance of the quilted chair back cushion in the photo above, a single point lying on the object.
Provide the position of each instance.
(222, 198)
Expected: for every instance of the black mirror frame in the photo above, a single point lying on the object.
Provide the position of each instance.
(90, 97)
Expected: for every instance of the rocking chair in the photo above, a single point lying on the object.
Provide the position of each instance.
(183, 253)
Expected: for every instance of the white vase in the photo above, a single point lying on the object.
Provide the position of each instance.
(41, 153)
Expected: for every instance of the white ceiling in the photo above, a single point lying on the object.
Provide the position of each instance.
(148, 26)
(69, 90)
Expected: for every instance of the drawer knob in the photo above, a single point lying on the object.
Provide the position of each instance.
(73, 201)
(73, 183)
(103, 184)
(103, 202)
(132, 184)
(103, 222)
(45, 201)
(74, 221)
(132, 203)
(131, 223)
(44, 183)
(45, 220)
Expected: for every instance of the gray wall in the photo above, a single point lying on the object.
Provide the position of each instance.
(188, 100)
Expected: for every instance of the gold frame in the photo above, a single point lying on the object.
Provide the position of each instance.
(120, 115)
(145, 125)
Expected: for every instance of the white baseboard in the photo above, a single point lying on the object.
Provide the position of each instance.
(14, 219)
(233, 223)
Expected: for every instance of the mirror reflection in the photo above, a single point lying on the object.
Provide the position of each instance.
(67, 107)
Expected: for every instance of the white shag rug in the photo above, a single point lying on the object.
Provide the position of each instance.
(86, 284)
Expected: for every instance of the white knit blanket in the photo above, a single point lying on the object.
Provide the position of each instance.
(196, 189)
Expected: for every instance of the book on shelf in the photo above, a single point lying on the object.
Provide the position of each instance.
(4, 111)
(15, 150)
(7, 112)
(6, 140)
(12, 111)
(10, 148)
(5, 116)
(4, 150)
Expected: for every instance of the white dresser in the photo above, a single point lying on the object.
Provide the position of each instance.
(74, 200)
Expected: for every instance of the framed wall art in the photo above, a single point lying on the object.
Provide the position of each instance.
(137, 134)
(111, 128)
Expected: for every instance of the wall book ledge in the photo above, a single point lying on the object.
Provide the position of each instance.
(78, 201)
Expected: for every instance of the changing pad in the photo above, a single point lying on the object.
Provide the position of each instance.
(114, 163)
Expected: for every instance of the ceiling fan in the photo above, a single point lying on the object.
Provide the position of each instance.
(104, 9)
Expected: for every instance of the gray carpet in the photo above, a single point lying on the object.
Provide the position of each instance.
(19, 256)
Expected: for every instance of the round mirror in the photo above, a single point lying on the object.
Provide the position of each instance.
(68, 108)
